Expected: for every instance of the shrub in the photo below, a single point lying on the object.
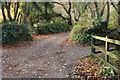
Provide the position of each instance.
(13, 33)
(113, 22)
(76, 31)
(114, 33)
(100, 26)
(79, 34)
(53, 28)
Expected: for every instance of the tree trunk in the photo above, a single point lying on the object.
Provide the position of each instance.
(92, 12)
(31, 21)
(70, 20)
(69, 14)
(97, 10)
(108, 15)
(68, 11)
(3, 13)
(16, 11)
(17, 19)
(117, 46)
(102, 11)
(8, 10)
(46, 11)
(25, 14)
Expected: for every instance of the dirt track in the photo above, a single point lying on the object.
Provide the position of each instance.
(47, 58)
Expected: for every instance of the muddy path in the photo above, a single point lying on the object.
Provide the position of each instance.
(47, 58)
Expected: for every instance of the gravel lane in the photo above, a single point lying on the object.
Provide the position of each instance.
(47, 58)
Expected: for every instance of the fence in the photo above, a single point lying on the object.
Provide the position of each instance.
(106, 51)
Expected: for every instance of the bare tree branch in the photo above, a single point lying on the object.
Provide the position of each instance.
(102, 11)
(62, 6)
(114, 6)
(7, 6)
(97, 10)
(3, 13)
(16, 10)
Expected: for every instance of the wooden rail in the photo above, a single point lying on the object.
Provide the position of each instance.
(111, 66)
(106, 39)
(105, 51)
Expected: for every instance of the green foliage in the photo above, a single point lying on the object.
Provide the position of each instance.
(99, 24)
(33, 29)
(13, 33)
(42, 11)
(115, 33)
(113, 23)
(53, 28)
(107, 72)
(79, 34)
(117, 53)
(57, 20)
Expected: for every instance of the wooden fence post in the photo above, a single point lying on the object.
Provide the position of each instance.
(92, 43)
(106, 49)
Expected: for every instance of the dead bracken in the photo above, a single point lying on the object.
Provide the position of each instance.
(86, 68)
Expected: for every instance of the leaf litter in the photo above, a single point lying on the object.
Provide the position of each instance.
(86, 68)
